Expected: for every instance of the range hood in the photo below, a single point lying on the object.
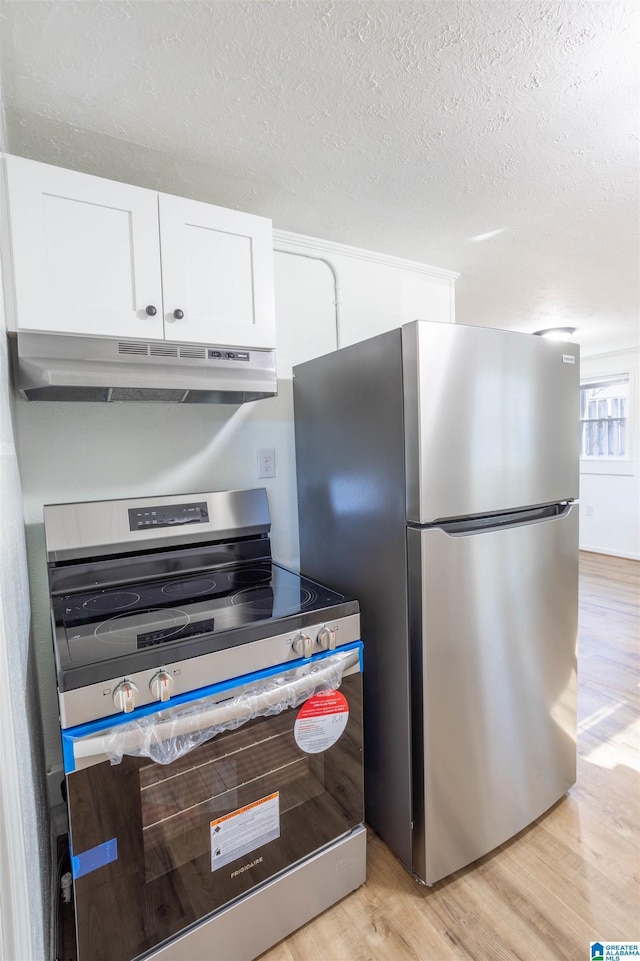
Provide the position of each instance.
(63, 367)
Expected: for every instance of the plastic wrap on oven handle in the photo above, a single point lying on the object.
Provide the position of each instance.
(166, 737)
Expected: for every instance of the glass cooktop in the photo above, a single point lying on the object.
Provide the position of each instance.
(106, 623)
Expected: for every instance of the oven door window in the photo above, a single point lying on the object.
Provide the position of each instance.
(158, 847)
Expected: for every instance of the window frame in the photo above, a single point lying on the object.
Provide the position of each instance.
(608, 464)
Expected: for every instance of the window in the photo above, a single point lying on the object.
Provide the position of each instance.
(603, 416)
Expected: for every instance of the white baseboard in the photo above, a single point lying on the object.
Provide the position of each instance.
(629, 555)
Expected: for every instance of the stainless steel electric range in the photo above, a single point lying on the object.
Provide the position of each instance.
(211, 719)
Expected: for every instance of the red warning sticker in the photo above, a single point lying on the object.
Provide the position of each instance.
(320, 721)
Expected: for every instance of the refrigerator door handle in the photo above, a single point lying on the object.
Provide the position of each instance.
(533, 515)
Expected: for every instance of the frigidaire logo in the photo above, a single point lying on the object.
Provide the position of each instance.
(246, 867)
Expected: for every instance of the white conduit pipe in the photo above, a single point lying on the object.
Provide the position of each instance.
(336, 283)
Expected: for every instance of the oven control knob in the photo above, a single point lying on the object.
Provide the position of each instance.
(161, 686)
(125, 696)
(327, 638)
(303, 645)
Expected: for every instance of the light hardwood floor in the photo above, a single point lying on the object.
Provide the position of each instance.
(572, 877)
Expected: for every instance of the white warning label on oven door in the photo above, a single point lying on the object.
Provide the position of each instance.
(244, 830)
(320, 722)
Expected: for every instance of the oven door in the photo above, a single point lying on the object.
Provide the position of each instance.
(263, 771)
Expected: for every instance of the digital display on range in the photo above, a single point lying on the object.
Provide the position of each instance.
(174, 515)
(169, 634)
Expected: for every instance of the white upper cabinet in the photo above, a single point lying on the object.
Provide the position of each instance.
(217, 270)
(86, 252)
(102, 258)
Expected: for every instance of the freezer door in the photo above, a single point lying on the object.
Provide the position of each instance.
(493, 628)
(491, 420)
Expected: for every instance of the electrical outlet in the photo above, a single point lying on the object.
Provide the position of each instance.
(589, 510)
(266, 462)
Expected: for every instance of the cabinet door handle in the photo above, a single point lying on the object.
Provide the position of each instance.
(151, 310)
(178, 314)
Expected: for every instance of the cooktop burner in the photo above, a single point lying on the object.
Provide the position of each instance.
(260, 600)
(190, 588)
(110, 601)
(168, 623)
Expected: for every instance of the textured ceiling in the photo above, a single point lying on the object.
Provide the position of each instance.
(410, 128)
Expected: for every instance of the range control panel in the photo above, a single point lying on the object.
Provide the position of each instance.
(174, 515)
(164, 681)
(221, 354)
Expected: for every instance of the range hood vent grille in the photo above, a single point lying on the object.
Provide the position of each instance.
(186, 350)
(141, 348)
(163, 350)
(133, 347)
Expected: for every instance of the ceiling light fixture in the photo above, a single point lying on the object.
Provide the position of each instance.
(556, 333)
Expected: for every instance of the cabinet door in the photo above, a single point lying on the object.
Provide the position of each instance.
(217, 268)
(86, 252)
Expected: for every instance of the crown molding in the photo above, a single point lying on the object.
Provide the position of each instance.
(285, 241)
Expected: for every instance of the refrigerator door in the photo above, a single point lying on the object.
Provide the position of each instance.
(493, 634)
(491, 420)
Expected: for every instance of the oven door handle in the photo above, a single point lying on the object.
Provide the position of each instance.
(132, 737)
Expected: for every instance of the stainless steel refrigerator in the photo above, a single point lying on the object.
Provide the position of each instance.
(437, 470)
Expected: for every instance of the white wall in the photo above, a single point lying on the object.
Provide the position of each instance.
(24, 833)
(72, 452)
(374, 292)
(610, 489)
